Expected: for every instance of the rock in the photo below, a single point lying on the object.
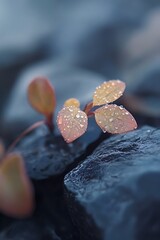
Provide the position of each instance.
(48, 155)
(143, 97)
(25, 28)
(100, 31)
(53, 207)
(114, 194)
(143, 43)
(68, 82)
(28, 229)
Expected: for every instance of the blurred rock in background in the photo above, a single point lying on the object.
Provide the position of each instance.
(25, 30)
(114, 38)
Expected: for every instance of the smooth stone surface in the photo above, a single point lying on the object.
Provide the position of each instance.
(47, 155)
(68, 82)
(114, 194)
(25, 28)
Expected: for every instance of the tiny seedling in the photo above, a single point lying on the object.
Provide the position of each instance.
(16, 192)
(73, 122)
(41, 96)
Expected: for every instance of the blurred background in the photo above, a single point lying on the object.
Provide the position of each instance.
(88, 39)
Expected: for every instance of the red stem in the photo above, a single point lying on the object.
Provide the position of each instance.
(28, 130)
(49, 122)
(90, 114)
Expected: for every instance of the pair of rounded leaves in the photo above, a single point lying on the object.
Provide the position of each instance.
(112, 118)
(41, 96)
(16, 193)
(73, 122)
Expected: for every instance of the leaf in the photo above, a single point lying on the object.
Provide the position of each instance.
(72, 123)
(16, 193)
(114, 119)
(72, 102)
(108, 92)
(41, 96)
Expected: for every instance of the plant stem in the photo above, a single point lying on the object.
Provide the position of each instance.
(88, 108)
(90, 114)
(49, 122)
(28, 130)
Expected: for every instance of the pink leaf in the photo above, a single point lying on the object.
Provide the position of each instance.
(108, 92)
(72, 123)
(114, 119)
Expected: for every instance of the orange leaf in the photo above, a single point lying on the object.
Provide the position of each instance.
(72, 102)
(16, 193)
(108, 92)
(41, 96)
(72, 123)
(114, 119)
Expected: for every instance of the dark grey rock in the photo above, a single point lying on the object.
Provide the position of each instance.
(48, 155)
(147, 78)
(28, 230)
(91, 33)
(53, 207)
(25, 28)
(68, 82)
(143, 97)
(114, 194)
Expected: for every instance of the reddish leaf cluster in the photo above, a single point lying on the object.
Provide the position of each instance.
(110, 118)
(72, 121)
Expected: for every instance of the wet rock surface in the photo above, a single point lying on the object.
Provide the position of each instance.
(28, 229)
(48, 155)
(114, 193)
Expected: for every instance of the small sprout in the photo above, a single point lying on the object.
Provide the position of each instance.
(108, 92)
(110, 118)
(16, 192)
(72, 123)
(114, 119)
(72, 102)
(42, 98)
